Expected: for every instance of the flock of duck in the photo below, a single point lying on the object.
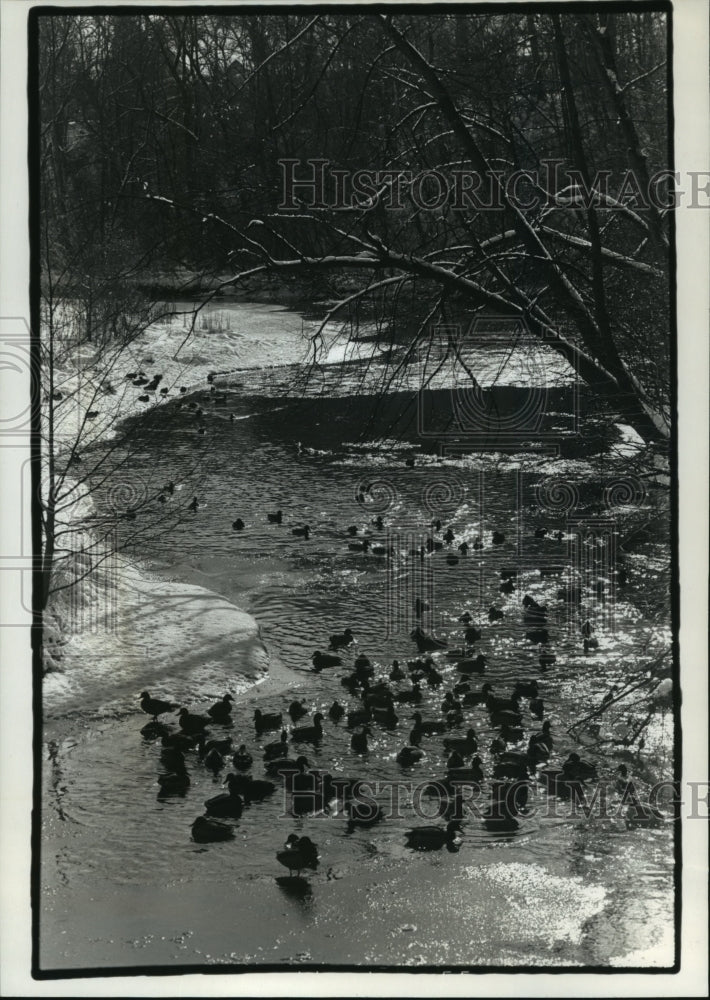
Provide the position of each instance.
(519, 751)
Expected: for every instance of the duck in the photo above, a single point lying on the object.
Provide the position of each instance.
(472, 634)
(433, 678)
(540, 636)
(358, 717)
(396, 672)
(362, 546)
(426, 643)
(336, 712)
(250, 789)
(194, 504)
(213, 760)
(506, 719)
(448, 536)
(279, 748)
(465, 745)
(301, 532)
(221, 711)
(309, 734)
(297, 710)
(172, 759)
(358, 740)
(575, 768)
(242, 759)
(227, 804)
(526, 689)
(540, 744)
(409, 755)
(477, 543)
(409, 462)
(298, 853)
(495, 614)
(191, 722)
(411, 695)
(450, 703)
(537, 707)
(207, 831)
(459, 653)
(497, 537)
(156, 706)
(276, 518)
(342, 640)
(352, 530)
(463, 548)
(513, 765)
(433, 838)
(472, 773)
(178, 741)
(546, 660)
(378, 522)
(382, 550)
(473, 665)
(428, 726)
(364, 813)
(322, 661)
(175, 782)
(533, 613)
(507, 587)
(238, 525)
(472, 698)
(385, 716)
(455, 761)
(466, 618)
(507, 802)
(264, 721)
(286, 767)
(540, 532)
(497, 705)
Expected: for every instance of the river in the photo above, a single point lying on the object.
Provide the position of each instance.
(124, 886)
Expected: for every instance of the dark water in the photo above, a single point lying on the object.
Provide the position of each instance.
(332, 461)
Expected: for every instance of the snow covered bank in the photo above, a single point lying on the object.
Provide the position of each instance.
(111, 625)
(135, 630)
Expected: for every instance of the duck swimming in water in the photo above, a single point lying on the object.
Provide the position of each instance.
(298, 853)
(426, 643)
(309, 734)
(409, 755)
(323, 660)
(221, 711)
(343, 639)
(358, 740)
(242, 759)
(297, 711)
(264, 721)
(276, 518)
(279, 748)
(238, 525)
(301, 532)
(207, 831)
(336, 712)
(433, 838)
(226, 804)
(191, 722)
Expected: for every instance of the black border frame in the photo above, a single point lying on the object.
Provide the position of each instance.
(490, 6)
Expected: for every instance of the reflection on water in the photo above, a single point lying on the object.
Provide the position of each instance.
(308, 460)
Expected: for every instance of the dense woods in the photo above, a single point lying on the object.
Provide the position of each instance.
(162, 136)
